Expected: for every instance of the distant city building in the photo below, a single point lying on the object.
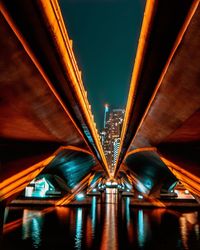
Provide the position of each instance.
(116, 145)
(110, 135)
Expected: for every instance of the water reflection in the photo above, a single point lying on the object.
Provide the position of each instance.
(141, 228)
(109, 237)
(32, 226)
(93, 214)
(102, 226)
(127, 202)
(79, 232)
(188, 223)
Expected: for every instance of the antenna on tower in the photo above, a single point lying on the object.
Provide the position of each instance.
(106, 110)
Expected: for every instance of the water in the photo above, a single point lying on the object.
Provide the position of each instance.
(101, 226)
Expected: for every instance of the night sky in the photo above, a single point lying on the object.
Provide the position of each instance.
(105, 37)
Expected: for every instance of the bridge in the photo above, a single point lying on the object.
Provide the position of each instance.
(46, 122)
(46, 119)
(161, 132)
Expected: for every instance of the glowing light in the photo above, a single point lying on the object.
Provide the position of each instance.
(140, 197)
(141, 228)
(128, 190)
(79, 232)
(128, 210)
(94, 190)
(106, 106)
(128, 186)
(186, 191)
(31, 226)
(28, 191)
(20, 180)
(80, 196)
(94, 204)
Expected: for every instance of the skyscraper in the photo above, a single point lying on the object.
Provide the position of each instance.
(110, 136)
(116, 145)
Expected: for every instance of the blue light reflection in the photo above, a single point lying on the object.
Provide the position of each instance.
(141, 228)
(94, 205)
(128, 210)
(79, 231)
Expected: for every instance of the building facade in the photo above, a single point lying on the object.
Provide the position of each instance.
(110, 135)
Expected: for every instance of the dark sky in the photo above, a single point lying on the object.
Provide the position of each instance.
(105, 36)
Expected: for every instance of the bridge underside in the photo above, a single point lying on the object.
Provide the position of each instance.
(46, 124)
(163, 110)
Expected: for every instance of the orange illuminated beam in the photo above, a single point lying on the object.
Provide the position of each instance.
(140, 150)
(149, 11)
(142, 45)
(20, 180)
(78, 188)
(55, 22)
(145, 192)
(174, 49)
(73, 148)
(190, 181)
(61, 39)
(93, 185)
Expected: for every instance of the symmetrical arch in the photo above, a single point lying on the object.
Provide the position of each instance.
(46, 123)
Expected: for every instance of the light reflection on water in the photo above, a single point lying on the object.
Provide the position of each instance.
(32, 226)
(141, 229)
(93, 214)
(109, 234)
(79, 231)
(102, 226)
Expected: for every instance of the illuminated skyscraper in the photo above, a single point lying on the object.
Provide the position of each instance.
(116, 145)
(110, 136)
